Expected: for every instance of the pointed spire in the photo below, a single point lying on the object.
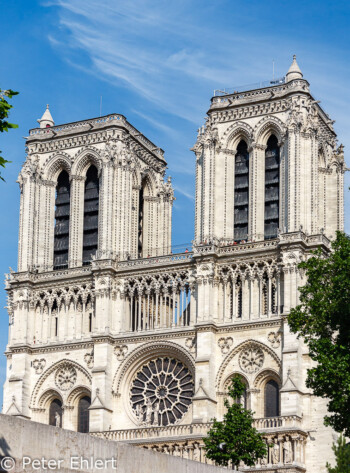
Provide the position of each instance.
(294, 71)
(46, 120)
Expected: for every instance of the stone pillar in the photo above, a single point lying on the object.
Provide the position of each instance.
(76, 224)
(256, 192)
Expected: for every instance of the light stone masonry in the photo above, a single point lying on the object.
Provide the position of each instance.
(138, 344)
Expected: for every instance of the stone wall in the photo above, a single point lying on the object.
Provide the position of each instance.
(24, 441)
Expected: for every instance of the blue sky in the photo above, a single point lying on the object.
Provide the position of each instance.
(157, 62)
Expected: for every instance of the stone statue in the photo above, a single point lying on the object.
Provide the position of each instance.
(149, 411)
(139, 414)
(196, 453)
(156, 414)
(275, 452)
(57, 420)
(176, 451)
(185, 453)
(288, 452)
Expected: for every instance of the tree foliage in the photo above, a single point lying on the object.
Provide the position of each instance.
(342, 455)
(235, 440)
(323, 320)
(5, 108)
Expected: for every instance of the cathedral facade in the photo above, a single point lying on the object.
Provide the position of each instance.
(111, 333)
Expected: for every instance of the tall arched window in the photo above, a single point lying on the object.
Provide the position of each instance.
(272, 180)
(241, 205)
(83, 414)
(55, 414)
(272, 399)
(140, 222)
(91, 202)
(62, 213)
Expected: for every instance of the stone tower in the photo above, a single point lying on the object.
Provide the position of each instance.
(113, 334)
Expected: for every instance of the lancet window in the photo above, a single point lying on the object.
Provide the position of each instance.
(91, 204)
(83, 414)
(272, 402)
(55, 413)
(272, 172)
(241, 203)
(62, 217)
(140, 221)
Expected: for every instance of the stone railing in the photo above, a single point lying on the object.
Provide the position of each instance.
(195, 430)
(277, 422)
(142, 433)
(156, 260)
(285, 442)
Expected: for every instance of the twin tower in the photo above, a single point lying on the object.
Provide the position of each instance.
(113, 334)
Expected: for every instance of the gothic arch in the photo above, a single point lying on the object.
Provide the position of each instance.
(84, 159)
(49, 371)
(144, 353)
(55, 164)
(47, 397)
(76, 394)
(235, 133)
(268, 126)
(235, 351)
(227, 378)
(265, 375)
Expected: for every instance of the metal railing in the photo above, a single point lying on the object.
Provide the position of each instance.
(244, 88)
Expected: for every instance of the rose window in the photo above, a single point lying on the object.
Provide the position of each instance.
(161, 392)
(66, 377)
(251, 359)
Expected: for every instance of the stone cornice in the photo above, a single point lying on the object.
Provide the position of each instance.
(90, 131)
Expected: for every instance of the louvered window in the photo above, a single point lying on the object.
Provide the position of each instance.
(91, 203)
(241, 205)
(140, 222)
(83, 414)
(62, 214)
(272, 403)
(272, 173)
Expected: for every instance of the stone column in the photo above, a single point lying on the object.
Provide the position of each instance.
(76, 221)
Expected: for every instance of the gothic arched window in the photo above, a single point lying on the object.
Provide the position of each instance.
(55, 414)
(83, 414)
(272, 179)
(62, 214)
(272, 399)
(241, 204)
(91, 202)
(140, 222)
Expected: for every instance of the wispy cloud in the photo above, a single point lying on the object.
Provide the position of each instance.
(158, 50)
(184, 192)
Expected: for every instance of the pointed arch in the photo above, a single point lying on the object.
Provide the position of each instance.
(49, 371)
(272, 187)
(238, 349)
(84, 159)
(55, 164)
(62, 220)
(268, 126)
(91, 213)
(241, 192)
(235, 133)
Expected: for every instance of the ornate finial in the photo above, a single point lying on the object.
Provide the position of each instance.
(294, 57)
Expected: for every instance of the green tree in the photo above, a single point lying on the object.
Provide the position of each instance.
(235, 440)
(323, 320)
(5, 108)
(342, 455)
